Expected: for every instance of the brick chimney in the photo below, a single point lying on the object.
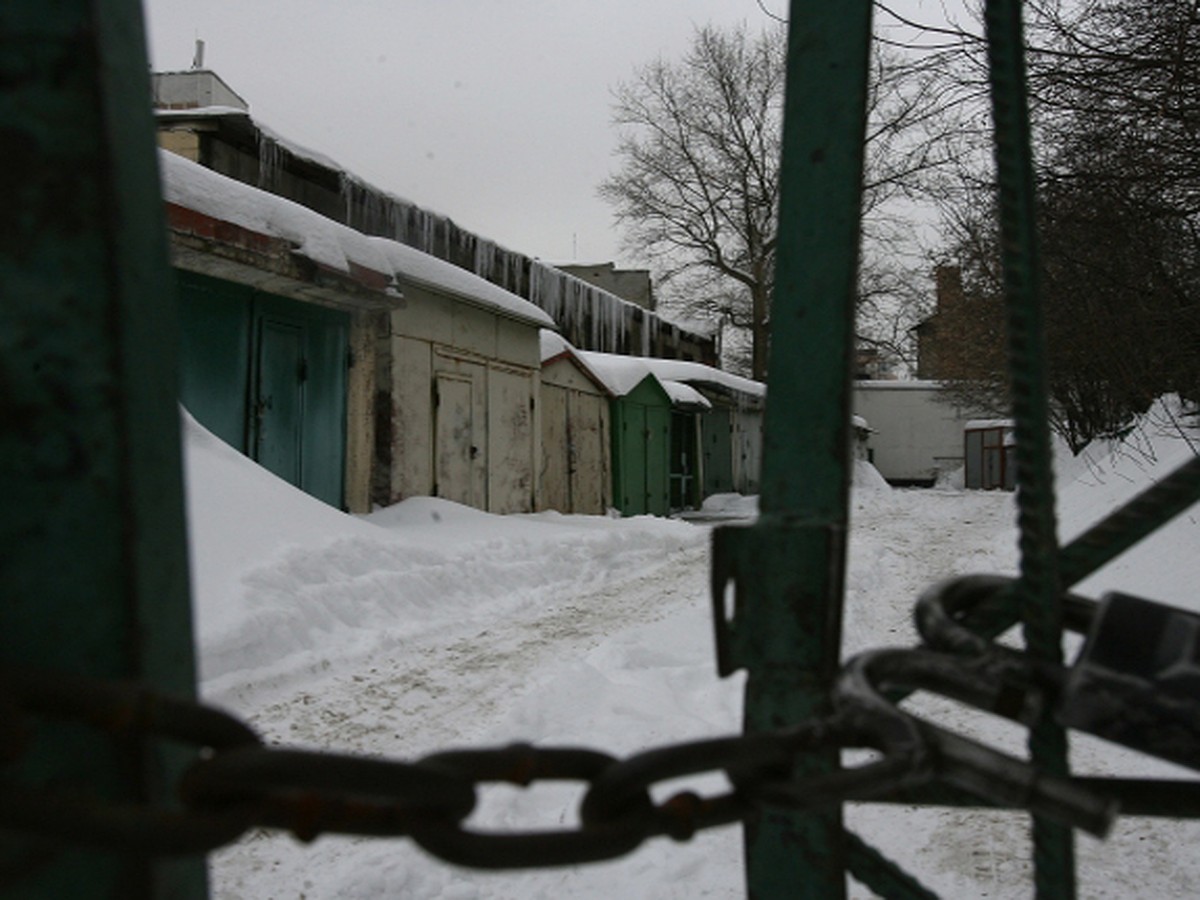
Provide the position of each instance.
(949, 287)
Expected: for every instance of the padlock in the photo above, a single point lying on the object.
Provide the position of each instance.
(1136, 681)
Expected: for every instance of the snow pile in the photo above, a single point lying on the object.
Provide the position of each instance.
(284, 583)
(428, 625)
(1110, 473)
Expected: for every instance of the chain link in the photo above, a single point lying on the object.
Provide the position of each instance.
(237, 783)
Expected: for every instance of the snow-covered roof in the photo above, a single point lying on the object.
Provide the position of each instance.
(200, 112)
(621, 374)
(329, 243)
(973, 424)
(684, 395)
(232, 112)
(553, 344)
(699, 373)
(410, 264)
(898, 385)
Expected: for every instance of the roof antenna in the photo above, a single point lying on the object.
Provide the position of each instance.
(198, 59)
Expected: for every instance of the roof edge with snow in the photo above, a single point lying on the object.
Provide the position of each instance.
(224, 210)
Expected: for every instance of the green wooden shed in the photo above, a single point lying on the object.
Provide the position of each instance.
(641, 442)
(641, 432)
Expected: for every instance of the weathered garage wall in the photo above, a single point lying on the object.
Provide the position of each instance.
(460, 413)
(576, 473)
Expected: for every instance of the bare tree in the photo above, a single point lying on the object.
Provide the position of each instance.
(697, 189)
(1116, 113)
(699, 181)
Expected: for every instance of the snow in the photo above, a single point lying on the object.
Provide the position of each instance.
(429, 625)
(200, 112)
(685, 395)
(698, 373)
(620, 374)
(413, 265)
(327, 242)
(623, 373)
(553, 344)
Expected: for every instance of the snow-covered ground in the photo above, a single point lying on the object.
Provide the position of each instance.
(429, 625)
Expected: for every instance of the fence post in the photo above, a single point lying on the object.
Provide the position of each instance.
(93, 565)
(788, 568)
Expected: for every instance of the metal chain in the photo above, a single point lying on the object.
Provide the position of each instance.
(238, 783)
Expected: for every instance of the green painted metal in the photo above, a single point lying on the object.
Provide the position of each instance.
(326, 351)
(268, 375)
(94, 571)
(215, 340)
(641, 422)
(1039, 588)
(787, 569)
(658, 459)
(716, 438)
(279, 398)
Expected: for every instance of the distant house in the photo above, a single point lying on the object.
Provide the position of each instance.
(633, 285)
(963, 340)
(935, 359)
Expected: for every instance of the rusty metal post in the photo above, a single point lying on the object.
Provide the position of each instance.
(787, 569)
(93, 568)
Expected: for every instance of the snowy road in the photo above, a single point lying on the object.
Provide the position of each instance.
(429, 626)
(619, 662)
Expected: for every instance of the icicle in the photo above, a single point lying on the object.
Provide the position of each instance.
(485, 259)
(270, 162)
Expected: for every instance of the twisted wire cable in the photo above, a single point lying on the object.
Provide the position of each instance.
(1039, 583)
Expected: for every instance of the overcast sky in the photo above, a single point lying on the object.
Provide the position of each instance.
(496, 113)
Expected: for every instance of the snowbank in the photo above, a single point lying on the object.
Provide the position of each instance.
(283, 582)
(1110, 473)
(427, 625)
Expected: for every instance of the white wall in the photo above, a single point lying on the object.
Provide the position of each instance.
(915, 435)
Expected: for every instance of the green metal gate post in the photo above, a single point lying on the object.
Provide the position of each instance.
(93, 568)
(788, 568)
(1039, 587)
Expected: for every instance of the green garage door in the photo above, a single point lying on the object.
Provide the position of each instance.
(267, 375)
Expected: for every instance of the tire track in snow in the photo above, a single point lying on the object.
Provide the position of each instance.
(903, 541)
(454, 684)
